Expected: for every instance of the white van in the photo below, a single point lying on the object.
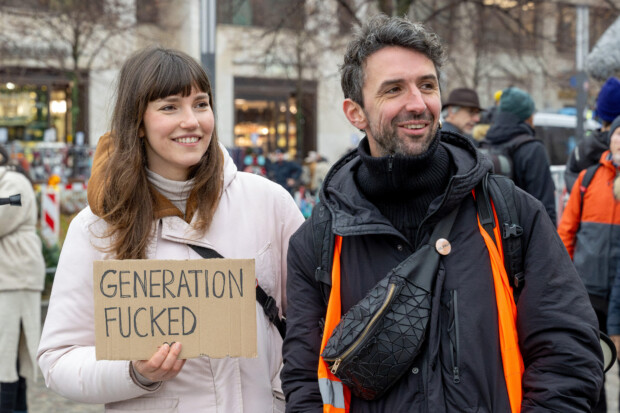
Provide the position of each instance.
(557, 131)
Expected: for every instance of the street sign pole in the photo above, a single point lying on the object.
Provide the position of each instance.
(582, 40)
(208, 23)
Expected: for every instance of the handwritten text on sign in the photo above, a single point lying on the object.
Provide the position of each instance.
(207, 305)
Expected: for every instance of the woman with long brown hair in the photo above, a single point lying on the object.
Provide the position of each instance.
(162, 183)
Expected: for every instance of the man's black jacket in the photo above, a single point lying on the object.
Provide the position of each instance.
(460, 367)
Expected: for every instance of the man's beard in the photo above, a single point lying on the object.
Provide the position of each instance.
(389, 143)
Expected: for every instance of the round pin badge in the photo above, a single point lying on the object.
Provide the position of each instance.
(443, 246)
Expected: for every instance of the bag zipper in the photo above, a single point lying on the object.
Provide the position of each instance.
(360, 339)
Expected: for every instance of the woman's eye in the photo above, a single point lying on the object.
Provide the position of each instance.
(202, 105)
(167, 108)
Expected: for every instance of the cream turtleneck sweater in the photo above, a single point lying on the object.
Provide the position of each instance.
(176, 191)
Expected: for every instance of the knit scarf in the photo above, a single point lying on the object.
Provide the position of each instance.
(402, 187)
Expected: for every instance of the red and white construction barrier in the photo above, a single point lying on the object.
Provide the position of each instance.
(50, 214)
(73, 197)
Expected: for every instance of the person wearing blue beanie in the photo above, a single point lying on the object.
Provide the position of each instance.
(589, 149)
(608, 101)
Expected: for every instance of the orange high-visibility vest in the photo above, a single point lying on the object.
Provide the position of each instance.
(512, 360)
(336, 396)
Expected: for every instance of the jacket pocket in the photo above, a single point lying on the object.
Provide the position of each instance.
(450, 336)
(458, 393)
(144, 404)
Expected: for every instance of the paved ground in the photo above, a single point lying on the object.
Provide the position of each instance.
(42, 400)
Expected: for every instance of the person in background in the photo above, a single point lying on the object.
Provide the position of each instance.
(383, 201)
(513, 127)
(486, 119)
(613, 319)
(461, 112)
(315, 170)
(161, 183)
(255, 162)
(590, 230)
(589, 149)
(284, 172)
(22, 278)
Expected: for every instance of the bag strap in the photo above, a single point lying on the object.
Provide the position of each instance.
(516, 142)
(444, 226)
(421, 267)
(501, 190)
(323, 241)
(585, 182)
(265, 300)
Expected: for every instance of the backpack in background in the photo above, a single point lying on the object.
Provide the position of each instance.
(587, 153)
(501, 155)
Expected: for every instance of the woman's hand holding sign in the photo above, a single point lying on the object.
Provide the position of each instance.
(163, 365)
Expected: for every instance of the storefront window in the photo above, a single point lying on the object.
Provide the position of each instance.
(36, 127)
(33, 112)
(267, 124)
(267, 118)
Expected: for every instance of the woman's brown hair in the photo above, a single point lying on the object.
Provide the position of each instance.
(128, 201)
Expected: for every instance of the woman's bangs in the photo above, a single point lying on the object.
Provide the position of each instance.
(177, 77)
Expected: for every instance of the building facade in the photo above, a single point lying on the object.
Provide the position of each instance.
(276, 63)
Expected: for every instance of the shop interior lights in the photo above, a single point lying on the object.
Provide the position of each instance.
(58, 107)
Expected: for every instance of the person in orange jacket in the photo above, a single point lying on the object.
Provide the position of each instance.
(590, 230)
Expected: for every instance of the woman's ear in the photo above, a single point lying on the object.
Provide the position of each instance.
(355, 114)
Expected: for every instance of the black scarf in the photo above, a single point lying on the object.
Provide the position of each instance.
(402, 187)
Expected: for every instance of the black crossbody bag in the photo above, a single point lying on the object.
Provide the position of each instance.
(376, 341)
(265, 300)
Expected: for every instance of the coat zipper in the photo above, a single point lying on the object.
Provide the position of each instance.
(365, 332)
(454, 344)
(426, 218)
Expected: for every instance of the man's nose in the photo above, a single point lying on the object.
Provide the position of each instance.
(415, 102)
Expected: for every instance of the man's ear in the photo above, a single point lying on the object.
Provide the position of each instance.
(355, 114)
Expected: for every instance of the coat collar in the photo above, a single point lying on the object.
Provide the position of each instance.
(164, 208)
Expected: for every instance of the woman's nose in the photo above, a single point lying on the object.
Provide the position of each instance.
(189, 121)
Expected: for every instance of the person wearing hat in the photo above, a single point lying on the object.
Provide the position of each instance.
(513, 127)
(461, 111)
(590, 231)
(589, 149)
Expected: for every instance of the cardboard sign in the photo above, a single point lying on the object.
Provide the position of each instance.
(207, 305)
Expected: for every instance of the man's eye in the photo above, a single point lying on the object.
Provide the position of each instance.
(428, 86)
(395, 89)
